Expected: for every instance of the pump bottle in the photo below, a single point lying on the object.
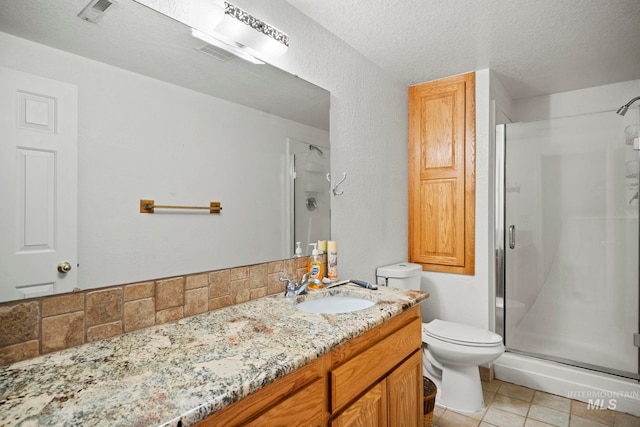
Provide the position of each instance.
(315, 267)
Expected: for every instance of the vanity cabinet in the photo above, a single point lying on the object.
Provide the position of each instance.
(374, 379)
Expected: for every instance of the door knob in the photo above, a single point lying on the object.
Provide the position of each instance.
(64, 267)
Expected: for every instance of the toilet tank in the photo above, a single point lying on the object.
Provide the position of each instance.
(403, 275)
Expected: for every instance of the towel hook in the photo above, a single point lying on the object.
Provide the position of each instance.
(335, 187)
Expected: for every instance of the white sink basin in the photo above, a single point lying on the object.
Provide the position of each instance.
(334, 304)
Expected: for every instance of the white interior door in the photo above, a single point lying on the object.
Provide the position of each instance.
(38, 185)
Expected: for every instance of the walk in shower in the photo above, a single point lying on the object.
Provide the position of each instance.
(567, 243)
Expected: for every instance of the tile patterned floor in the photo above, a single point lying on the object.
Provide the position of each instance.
(510, 405)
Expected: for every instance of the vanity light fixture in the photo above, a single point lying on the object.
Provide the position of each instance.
(257, 35)
(244, 35)
(225, 26)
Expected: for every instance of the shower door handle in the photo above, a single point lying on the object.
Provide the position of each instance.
(512, 236)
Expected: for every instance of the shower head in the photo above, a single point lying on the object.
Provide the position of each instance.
(313, 147)
(623, 110)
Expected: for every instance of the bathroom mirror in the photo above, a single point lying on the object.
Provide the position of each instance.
(163, 116)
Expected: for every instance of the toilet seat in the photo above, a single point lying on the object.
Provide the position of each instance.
(458, 333)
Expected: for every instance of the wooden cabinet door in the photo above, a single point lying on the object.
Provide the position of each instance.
(304, 408)
(368, 411)
(442, 174)
(404, 393)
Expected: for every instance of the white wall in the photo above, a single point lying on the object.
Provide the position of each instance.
(584, 101)
(464, 298)
(368, 139)
(141, 138)
(502, 99)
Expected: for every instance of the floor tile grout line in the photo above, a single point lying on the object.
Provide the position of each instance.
(530, 403)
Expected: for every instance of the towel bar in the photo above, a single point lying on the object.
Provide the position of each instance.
(149, 206)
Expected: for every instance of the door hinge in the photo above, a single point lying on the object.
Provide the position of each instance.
(636, 340)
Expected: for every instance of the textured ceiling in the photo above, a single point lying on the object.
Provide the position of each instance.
(536, 46)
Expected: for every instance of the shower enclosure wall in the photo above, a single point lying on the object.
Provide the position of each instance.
(567, 242)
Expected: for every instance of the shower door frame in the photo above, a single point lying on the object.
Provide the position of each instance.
(500, 266)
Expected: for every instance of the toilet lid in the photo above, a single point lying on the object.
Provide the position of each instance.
(459, 333)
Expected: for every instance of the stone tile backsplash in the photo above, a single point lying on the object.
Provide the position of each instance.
(46, 324)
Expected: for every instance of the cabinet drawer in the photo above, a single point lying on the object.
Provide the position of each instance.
(363, 370)
(280, 391)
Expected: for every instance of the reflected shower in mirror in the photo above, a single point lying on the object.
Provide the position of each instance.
(155, 115)
(310, 201)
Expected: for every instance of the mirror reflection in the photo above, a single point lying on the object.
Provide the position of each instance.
(149, 113)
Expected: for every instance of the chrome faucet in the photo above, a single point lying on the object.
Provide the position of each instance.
(293, 289)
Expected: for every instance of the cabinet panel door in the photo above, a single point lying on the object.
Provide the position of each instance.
(442, 174)
(368, 411)
(304, 408)
(405, 394)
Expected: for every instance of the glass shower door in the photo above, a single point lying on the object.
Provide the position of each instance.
(571, 242)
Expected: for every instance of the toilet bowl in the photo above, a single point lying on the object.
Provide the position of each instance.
(453, 351)
(451, 357)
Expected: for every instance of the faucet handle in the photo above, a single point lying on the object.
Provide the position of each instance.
(290, 284)
(290, 289)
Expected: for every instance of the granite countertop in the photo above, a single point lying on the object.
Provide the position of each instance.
(180, 373)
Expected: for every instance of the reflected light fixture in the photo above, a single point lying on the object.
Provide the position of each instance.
(244, 35)
(236, 50)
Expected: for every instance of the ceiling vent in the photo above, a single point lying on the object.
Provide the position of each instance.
(95, 10)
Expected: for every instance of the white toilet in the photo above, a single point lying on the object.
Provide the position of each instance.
(451, 359)
(453, 351)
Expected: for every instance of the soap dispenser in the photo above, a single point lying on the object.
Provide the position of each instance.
(315, 268)
(298, 253)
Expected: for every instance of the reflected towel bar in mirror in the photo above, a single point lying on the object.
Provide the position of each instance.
(149, 206)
